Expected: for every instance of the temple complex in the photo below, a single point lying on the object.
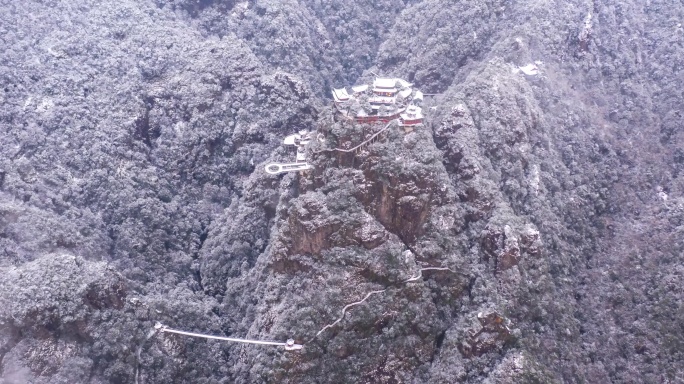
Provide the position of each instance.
(385, 100)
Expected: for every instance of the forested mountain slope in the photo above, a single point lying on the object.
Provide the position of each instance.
(531, 232)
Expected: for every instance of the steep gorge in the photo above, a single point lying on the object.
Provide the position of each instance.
(134, 136)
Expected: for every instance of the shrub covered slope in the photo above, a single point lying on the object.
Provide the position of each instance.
(133, 137)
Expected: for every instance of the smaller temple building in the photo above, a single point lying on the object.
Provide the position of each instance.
(299, 140)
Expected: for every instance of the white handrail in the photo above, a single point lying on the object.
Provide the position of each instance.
(276, 168)
(289, 344)
(417, 277)
(359, 145)
(344, 311)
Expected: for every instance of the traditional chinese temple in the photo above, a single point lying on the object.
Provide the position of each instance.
(385, 100)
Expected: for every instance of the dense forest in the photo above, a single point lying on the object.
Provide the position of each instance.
(532, 231)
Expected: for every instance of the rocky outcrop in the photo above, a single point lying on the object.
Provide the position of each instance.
(492, 334)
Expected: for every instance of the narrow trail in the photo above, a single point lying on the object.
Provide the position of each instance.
(344, 312)
(417, 277)
(290, 344)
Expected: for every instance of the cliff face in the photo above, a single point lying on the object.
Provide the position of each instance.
(530, 232)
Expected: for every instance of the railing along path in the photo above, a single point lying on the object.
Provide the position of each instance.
(290, 344)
